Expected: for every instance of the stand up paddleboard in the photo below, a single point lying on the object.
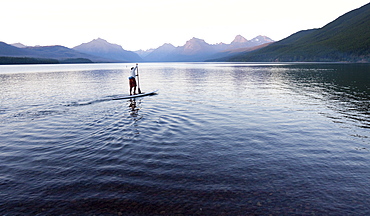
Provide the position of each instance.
(143, 94)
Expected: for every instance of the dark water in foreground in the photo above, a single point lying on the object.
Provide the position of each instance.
(218, 139)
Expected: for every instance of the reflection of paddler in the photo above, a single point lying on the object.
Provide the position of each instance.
(132, 104)
(134, 110)
(132, 79)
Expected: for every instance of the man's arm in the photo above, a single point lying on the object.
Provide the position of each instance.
(136, 69)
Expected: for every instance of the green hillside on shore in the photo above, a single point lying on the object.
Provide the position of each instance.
(346, 39)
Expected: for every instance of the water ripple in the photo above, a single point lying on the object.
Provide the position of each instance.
(219, 139)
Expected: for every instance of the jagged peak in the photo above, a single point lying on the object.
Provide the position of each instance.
(239, 39)
(167, 45)
(19, 45)
(263, 38)
(99, 43)
(100, 40)
(194, 39)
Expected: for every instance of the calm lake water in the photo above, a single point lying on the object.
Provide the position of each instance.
(218, 139)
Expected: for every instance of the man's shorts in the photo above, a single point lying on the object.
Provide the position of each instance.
(132, 82)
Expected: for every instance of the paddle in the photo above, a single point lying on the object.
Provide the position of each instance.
(138, 86)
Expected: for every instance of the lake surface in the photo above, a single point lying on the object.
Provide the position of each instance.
(218, 139)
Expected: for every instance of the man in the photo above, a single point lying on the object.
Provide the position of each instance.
(132, 80)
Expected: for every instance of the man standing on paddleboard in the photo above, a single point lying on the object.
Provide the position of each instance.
(132, 80)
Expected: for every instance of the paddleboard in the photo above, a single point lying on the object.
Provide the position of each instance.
(137, 95)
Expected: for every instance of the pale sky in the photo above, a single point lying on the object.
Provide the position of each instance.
(144, 24)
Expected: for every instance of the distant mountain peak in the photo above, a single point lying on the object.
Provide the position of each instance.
(239, 39)
(195, 45)
(100, 40)
(195, 40)
(19, 45)
(160, 53)
(168, 45)
(102, 48)
(260, 38)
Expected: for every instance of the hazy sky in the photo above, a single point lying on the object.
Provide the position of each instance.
(144, 24)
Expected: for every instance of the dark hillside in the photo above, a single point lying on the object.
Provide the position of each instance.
(345, 39)
(9, 50)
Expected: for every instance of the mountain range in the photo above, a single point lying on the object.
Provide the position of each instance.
(100, 50)
(345, 39)
(44, 54)
(197, 50)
